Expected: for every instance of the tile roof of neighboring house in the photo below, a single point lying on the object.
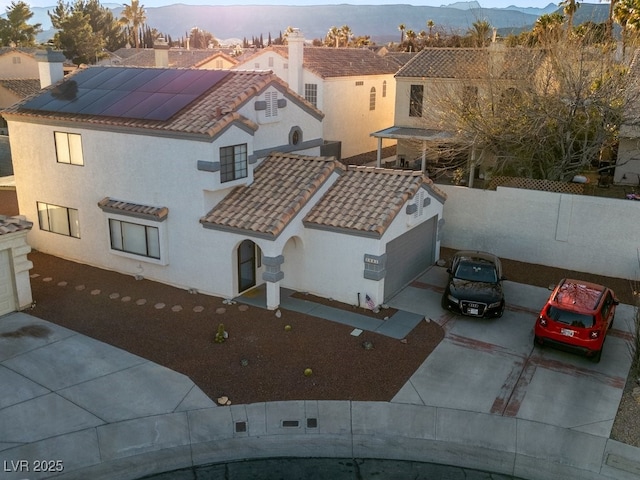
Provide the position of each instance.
(178, 58)
(133, 209)
(282, 186)
(22, 87)
(207, 115)
(13, 224)
(339, 62)
(472, 63)
(365, 200)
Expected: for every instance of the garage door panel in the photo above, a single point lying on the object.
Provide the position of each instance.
(7, 298)
(409, 255)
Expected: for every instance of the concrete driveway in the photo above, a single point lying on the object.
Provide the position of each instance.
(492, 366)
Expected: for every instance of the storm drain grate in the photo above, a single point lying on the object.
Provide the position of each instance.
(241, 427)
(312, 423)
(290, 423)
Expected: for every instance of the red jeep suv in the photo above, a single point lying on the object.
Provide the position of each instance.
(576, 318)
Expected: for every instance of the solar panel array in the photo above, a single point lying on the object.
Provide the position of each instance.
(138, 93)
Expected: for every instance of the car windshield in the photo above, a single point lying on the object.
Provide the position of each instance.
(570, 318)
(476, 272)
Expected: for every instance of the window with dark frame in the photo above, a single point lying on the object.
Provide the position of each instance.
(233, 162)
(311, 93)
(384, 89)
(57, 219)
(135, 238)
(372, 98)
(415, 100)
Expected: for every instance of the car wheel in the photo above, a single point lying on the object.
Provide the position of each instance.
(537, 341)
(611, 324)
(501, 312)
(596, 358)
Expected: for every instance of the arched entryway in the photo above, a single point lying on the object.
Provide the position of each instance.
(246, 265)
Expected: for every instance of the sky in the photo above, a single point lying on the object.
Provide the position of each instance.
(433, 3)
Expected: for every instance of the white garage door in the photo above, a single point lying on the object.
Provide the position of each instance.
(7, 298)
(409, 255)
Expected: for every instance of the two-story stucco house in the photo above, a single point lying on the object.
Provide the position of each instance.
(211, 180)
(437, 77)
(354, 87)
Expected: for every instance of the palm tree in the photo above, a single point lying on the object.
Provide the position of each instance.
(610, 17)
(430, 25)
(480, 32)
(569, 8)
(402, 28)
(548, 27)
(333, 37)
(345, 34)
(134, 15)
(411, 40)
(628, 17)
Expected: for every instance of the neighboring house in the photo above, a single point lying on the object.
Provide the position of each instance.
(437, 75)
(163, 56)
(354, 87)
(15, 284)
(627, 163)
(171, 175)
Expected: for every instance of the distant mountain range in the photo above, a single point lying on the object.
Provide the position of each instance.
(380, 22)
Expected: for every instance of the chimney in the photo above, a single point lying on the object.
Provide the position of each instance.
(161, 50)
(295, 40)
(50, 66)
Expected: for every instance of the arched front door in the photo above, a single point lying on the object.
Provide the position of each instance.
(246, 265)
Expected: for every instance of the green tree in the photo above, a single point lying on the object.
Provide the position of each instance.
(548, 28)
(480, 33)
(569, 8)
(134, 16)
(77, 40)
(627, 15)
(332, 39)
(86, 29)
(15, 28)
(402, 27)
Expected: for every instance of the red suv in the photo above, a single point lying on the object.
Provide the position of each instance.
(577, 317)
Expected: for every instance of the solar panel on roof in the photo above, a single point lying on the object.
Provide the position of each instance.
(140, 93)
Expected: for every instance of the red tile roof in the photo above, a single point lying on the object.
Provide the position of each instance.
(362, 200)
(282, 186)
(13, 224)
(208, 115)
(365, 200)
(329, 62)
(133, 209)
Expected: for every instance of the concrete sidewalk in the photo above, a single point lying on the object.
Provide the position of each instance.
(398, 325)
(485, 399)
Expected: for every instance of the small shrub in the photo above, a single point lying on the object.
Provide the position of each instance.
(221, 335)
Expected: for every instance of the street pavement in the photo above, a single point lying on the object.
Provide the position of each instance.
(79, 403)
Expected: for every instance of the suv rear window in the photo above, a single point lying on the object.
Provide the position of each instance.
(570, 318)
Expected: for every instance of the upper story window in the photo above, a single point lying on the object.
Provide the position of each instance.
(219, 63)
(359, 83)
(56, 219)
(233, 162)
(16, 60)
(311, 93)
(372, 98)
(256, 66)
(415, 100)
(272, 104)
(384, 89)
(69, 148)
(271, 61)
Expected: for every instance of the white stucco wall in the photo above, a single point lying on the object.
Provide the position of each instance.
(583, 233)
(155, 171)
(333, 266)
(346, 106)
